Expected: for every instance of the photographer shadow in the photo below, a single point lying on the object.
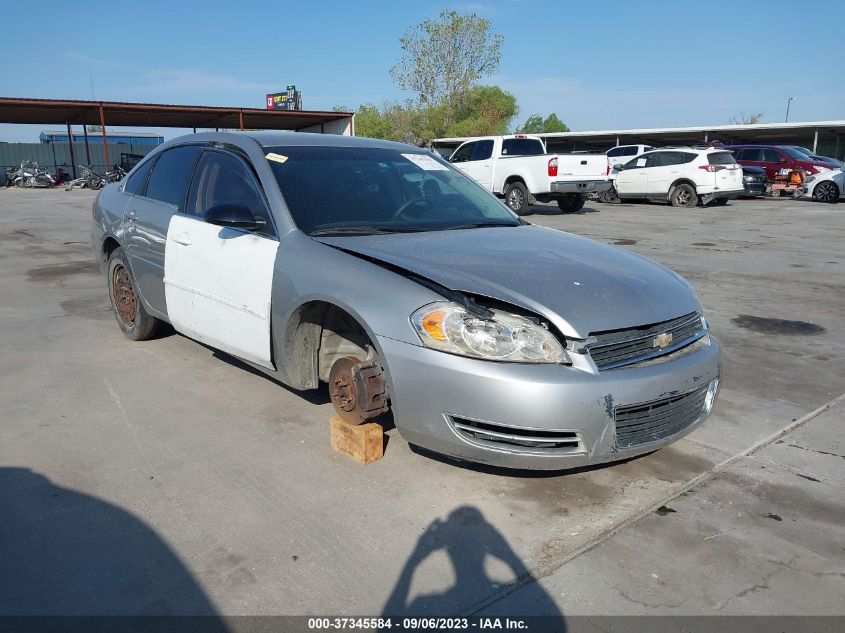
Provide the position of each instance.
(64, 553)
(469, 540)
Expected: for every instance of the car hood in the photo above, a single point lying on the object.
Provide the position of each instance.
(580, 285)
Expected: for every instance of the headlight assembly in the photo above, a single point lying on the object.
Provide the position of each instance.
(450, 327)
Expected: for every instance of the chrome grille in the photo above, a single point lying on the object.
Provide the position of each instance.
(658, 419)
(513, 437)
(627, 347)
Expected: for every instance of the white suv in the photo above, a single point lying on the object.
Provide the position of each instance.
(681, 175)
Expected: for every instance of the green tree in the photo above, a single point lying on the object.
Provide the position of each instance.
(443, 58)
(486, 110)
(535, 124)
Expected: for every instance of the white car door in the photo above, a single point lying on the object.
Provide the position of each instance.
(480, 165)
(218, 280)
(632, 179)
(664, 170)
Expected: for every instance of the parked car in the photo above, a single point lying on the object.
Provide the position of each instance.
(774, 158)
(825, 160)
(754, 181)
(518, 168)
(624, 153)
(828, 186)
(385, 272)
(683, 176)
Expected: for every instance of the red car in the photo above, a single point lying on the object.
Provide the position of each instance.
(773, 158)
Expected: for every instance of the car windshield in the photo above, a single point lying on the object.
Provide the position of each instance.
(794, 154)
(369, 190)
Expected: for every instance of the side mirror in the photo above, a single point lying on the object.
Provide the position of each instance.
(235, 216)
(618, 167)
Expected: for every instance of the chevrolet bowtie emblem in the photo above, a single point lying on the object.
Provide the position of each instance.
(662, 340)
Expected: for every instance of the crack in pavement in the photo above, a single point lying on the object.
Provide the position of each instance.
(548, 567)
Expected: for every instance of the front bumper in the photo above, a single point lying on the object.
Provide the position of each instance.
(431, 391)
(756, 189)
(580, 186)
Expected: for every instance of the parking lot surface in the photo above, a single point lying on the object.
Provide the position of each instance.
(165, 477)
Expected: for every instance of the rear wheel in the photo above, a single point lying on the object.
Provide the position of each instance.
(683, 196)
(516, 197)
(826, 191)
(571, 202)
(132, 318)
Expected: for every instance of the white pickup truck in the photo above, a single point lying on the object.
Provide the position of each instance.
(518, 168)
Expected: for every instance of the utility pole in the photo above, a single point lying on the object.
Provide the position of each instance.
(791, 99)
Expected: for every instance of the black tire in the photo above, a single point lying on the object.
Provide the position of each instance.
(683, 196)
(516, 197)
(96, 184)
(610, 196)
(826, 191)
(132, 319)
(571, 202)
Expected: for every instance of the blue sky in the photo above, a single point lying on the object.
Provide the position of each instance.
(598, 65)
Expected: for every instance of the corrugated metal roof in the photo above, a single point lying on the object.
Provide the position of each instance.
(90, 134)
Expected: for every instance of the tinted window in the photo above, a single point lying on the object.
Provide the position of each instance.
(721, 158)
(751, 154)
(644, 160)
(631, 150)
(483, 150)
(374, 189)
(616, 151)
(169, 180)
(137, 181)
(464, 153)
(221, 178)
(522, 147)
(772, 156)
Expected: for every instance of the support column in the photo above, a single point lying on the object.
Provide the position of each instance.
(105, 138)
(72, 157)
(87, 149)
(241, 116)
(815, 140)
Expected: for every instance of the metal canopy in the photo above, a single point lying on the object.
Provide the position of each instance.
(54, 111)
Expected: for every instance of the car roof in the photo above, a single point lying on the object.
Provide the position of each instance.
(276, 139)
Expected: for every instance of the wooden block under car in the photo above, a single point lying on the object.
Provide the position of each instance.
(362, 442)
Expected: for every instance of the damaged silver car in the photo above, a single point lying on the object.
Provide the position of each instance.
(378, 268)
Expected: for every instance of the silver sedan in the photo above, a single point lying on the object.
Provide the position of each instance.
(379, 269)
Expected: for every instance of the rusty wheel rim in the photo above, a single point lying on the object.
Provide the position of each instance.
(124, 295)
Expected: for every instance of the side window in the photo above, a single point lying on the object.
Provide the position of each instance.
(616, 151)
(631, 150)
(739, 154)
(483, 150)
(169, 181)
(772, 156)
(752, 154)
(656, 159)
(221, 178)
(463, 154)
(646, 160)
(686, 157)
(136, 183)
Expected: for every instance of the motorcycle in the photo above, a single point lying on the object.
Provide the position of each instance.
(30, 175)
(116, 174)
(89, 178)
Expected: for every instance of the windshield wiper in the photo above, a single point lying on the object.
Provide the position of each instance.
(478, 225)
(361, 230)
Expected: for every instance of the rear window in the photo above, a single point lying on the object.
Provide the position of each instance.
(138, 180)
(171, 174)
(522, 147)
(616, 151)
(721, 158)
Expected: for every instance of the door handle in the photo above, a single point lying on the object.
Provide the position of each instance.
(183, 238)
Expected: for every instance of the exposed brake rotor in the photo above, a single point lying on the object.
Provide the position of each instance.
(357, 389)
